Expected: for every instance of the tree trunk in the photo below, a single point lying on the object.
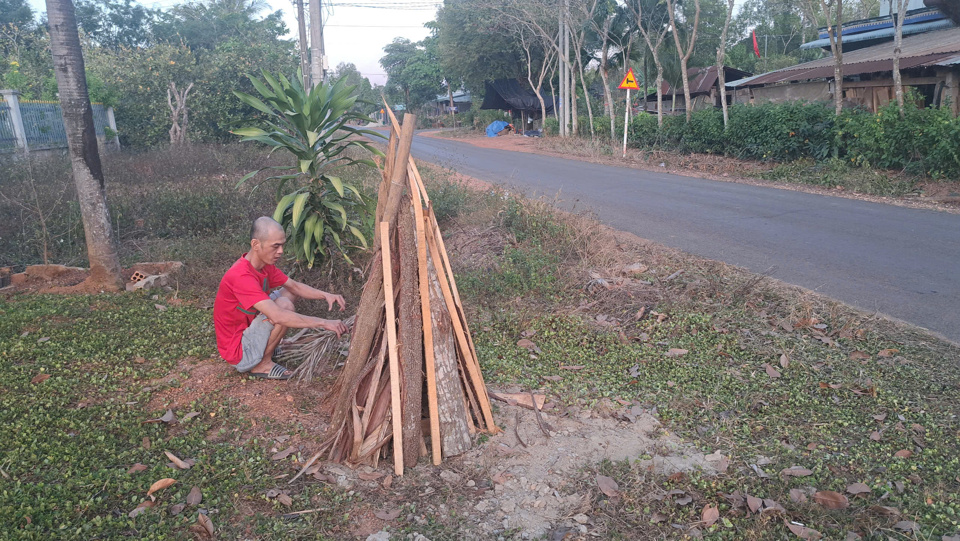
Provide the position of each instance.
(179, 114)
(410, 335)
(897, 45)
(302, 27)
(82, 140)
(659, 93)
(721, 54)
(684, 54)
(454, 431)
(605, 76)
(583, 85)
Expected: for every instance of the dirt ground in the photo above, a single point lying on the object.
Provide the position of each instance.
(517, 481)
(942, 196)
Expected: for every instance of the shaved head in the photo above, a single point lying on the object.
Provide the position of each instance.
(263, 227)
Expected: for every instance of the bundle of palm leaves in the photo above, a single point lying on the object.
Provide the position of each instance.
(313, 350)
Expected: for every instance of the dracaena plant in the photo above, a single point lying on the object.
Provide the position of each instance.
(322, 215)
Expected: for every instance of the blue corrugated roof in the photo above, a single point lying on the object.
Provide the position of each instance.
(883, 33)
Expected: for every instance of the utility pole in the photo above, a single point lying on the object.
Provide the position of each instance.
(316, 43)
(565, 92)
(302, 26)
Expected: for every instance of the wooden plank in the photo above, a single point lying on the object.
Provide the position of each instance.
(410, 334)
(472, 368)
(392, 349)
(429, 363)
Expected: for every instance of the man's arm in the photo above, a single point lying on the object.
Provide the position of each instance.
(289, 318)
(307, 292)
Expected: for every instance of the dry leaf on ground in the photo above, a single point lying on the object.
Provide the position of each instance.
(204, 527)
(370, 476)
(803, 532)
(286, 500)
(160, 485)
(831, 499)
(195, 496)
(284, 454)
(858, 488)
(875, 436)
(784, 360)
(795, 471)
(887, 352)
(797, 495)
(754, 503)
(177, 462)
(771, 371)
(140, 509)
(138, 467)
(907, 526)
(40, 378)
(903, 453)
(676, 352)
(608, 486)
(167, 417)
(710, 515)
(885, 510)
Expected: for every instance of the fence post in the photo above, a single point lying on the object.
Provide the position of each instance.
(112, 122)
(12, 97)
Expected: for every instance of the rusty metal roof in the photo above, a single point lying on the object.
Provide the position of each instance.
(704, 79)
(918, 50)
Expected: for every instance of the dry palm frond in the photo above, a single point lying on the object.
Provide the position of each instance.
(312, 349)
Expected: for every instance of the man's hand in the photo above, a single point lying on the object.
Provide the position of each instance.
(334, 325)
(334, 299)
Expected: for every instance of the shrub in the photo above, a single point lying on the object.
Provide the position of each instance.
(781, 132)
(551, 126)
(484, 117)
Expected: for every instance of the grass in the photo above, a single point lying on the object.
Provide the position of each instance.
(66, 443)
(841, 372)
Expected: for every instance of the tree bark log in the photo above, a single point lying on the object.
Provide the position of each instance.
(454, 431)
(410, 336)
(82, 139)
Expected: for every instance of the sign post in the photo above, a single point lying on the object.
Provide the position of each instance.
(628, 83)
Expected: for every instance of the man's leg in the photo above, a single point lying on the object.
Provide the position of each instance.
(277, 334)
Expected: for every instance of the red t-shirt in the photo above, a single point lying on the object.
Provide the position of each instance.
(241, 287)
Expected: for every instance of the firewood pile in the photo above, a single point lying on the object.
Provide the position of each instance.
(410, 343)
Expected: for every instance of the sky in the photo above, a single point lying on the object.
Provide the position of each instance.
(354, 30)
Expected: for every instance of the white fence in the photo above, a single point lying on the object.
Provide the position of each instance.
(27, 125)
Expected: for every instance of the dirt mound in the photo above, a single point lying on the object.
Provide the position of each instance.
(532, 474)
(63, 279)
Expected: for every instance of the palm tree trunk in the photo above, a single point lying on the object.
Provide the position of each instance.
(82, 141)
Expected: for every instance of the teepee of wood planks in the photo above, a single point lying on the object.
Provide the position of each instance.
(410, 336)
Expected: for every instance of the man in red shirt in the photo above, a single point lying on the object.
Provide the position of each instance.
(249, 320)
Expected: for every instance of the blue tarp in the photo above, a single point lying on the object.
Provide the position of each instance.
(496, 127)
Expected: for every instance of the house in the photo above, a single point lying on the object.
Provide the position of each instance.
(929, 63)
(518, 98)
(462, 101)
(704, 90)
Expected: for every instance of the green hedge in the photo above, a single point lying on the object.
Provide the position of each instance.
(926, 142)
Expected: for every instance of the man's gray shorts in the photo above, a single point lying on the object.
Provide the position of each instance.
(255, 338)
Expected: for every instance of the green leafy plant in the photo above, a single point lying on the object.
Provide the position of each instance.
(314, 127)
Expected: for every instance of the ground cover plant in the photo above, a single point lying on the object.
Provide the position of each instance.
(770, 377)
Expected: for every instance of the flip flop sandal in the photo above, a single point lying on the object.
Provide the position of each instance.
(277, 372)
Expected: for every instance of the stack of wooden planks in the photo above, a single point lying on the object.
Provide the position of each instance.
(410, 338)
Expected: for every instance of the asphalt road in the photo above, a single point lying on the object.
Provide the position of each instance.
(901, 262)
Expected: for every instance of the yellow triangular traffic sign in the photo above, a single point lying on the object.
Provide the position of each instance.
(629, 81)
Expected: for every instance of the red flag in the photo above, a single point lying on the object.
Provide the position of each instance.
(756, 48)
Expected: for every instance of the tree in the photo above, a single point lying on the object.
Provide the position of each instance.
(413, 69)
(115, 23)
(684, 51)
(897, 45)
(721, 54)
(16, 12)
(832, 11)
(477, 43)
(82, 140)
(368, 96)
(651, 21)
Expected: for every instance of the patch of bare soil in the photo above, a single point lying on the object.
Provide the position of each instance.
(941, 196)
(272, 406)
